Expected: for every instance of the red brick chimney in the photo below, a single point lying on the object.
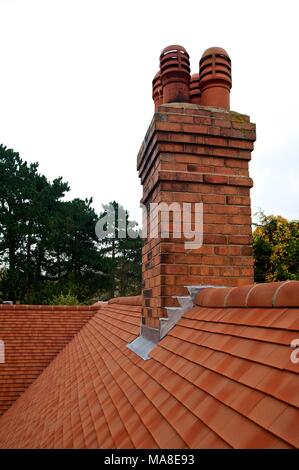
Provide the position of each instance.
(195, 153)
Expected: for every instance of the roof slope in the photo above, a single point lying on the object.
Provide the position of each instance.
(33, 336)
(221, 378)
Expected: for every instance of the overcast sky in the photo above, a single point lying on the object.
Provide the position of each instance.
(75, 87)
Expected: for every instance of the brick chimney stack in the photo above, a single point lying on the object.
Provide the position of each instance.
(195, 151)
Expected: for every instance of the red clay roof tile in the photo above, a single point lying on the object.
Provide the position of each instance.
(262, 295)
(286, 426)
(134, 300)
(33, 336)
(267, 411)
(221, 378)
(237, 296)
(212, 297)
(246, 400)
(287, 295)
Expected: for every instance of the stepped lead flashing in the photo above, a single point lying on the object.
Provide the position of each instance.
(149, 337)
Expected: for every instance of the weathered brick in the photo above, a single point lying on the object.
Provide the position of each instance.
(240, 219)
(168, 126)
(221, 123)
(183, 138)
(240, 181)
(247, 250)
(174, 269)
(238, 200)
(185, 118)
(239, 239)
(227, 250)
(213, 199)
(173, 166)
(195, 128)
(215, 218)
(202, 120)
(235, 163)
(244, 126)
(242, 261)
(215, 179)
(214, 239)
(241, 144)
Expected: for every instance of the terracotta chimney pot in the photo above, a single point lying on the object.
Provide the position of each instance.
(157, 90)
(194, 89)
(175, 74)
(215, 79)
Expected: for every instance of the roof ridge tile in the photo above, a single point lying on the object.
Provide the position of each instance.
(267, 295)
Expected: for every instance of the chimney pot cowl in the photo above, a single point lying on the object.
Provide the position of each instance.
(215, 79)
(175, 74)
(215, 50)
(157, 90)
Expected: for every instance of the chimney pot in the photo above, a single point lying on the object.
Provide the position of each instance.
(215, 79)
(157, 90)
(175, 74)
(194, 89)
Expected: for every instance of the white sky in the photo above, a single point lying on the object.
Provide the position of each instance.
(75, 87)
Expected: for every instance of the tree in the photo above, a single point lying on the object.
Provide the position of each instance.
(73, 253)
(64, 299)
(48, 246)
(122, 245)
(276, 249)
(26, 199)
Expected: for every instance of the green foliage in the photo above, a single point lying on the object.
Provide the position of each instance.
(123, 252)
(64, 299)
(276, 249)
(48, 246)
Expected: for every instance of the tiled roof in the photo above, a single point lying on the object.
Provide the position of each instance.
(222, 377)
(33, 336)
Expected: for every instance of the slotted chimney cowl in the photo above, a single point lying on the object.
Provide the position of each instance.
(215, 78)
(157, 90)
(175, 74)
